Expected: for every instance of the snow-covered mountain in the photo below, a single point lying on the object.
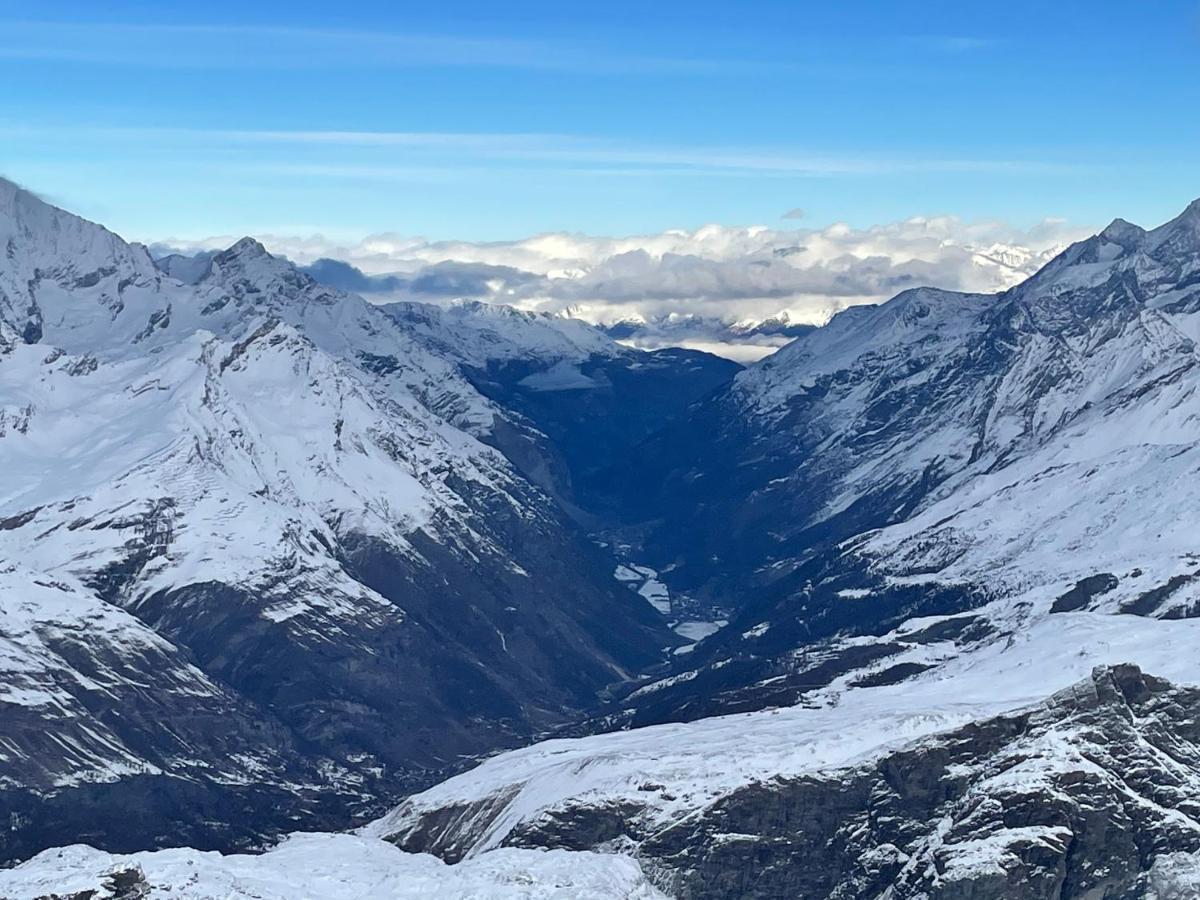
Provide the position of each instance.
(566, 397)
(940, 451)
(255, 501)
(949, 533)
(928, 517)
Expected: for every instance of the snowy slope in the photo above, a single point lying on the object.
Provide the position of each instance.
(938, 451)
(328, 867)
(64, 654)
(664, 773)
(477, 333)
(1099, 467)
(557, 396)
(276, 483)
(955, 505)
(1087, 793)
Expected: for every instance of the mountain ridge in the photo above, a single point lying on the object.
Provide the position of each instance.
(881, 456)
(899, 520)
(289, 489)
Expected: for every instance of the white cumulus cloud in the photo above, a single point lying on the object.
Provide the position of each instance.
(716, 273)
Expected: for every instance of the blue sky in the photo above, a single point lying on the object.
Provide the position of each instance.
(486, 121)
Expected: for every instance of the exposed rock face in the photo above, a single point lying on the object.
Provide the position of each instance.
(1079, 797)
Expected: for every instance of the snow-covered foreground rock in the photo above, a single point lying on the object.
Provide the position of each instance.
(325, 867)
(943, 791)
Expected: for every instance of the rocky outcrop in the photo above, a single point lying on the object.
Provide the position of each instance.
(1078, 797)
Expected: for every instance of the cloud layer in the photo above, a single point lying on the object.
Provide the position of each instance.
(715, 274)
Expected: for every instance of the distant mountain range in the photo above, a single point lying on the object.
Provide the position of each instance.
(746, 341)
(647, 291)
(447, 283)
(907, 609)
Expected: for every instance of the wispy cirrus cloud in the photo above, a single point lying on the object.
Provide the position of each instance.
(242, 46)
(398, 155)
(588, 149)
(272, 46)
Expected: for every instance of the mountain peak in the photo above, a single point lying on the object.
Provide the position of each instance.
(1181, 234)
(18, 203)
(248, 255)
(1120, 231)
(246, 248)
(8, 190)
(1190, 216)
